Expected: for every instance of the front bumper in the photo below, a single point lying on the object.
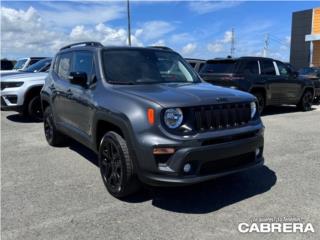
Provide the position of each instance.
(208, 162)
(9, 103)
(12, 99)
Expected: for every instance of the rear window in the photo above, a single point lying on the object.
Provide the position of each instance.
(219, 67)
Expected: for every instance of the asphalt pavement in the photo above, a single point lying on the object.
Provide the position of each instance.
(57, 193)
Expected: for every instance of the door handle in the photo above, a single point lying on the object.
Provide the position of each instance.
(52, 87)
(69, 93)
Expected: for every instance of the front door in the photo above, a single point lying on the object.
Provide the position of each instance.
(80, 110)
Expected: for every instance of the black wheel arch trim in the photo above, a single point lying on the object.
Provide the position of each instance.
(123, 125)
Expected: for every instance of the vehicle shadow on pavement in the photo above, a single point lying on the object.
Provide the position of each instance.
(19, 118)
(200, 198)
(216, 194)
(275, 110)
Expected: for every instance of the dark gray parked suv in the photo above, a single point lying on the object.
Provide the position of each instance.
(149, 117)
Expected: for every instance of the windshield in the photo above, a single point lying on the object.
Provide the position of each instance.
(41, 66)
(219, 67)
(20, 63)
(309, 71)
(146, 66)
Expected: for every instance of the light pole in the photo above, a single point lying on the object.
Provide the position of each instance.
(129, 24)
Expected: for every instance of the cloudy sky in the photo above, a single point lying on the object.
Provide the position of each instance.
(199, 29)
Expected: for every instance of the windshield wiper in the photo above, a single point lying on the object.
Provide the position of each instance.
(121, 82)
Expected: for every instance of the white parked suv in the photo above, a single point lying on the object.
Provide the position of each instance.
(21, 93)
(23, 64)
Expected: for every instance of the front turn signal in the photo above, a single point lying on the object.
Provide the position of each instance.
(150, 114)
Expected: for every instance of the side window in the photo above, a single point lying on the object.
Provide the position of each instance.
(267, 67)
(283, 71)
(83, 62)
(193, 64)
(251, 68)
(64, 65)
(33, 61)
(201, 66)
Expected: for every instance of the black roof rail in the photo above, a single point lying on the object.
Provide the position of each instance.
(93, 44)
(161, 47)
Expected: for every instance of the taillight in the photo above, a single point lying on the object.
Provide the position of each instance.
(237, 78)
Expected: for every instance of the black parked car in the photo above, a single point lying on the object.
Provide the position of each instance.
(271, 81)
(197, 64)
(149, 116)
(312, 73)
(6, 64)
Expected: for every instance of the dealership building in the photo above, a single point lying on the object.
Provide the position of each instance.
(305, 38)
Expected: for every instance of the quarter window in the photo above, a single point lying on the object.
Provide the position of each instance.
(64, 65)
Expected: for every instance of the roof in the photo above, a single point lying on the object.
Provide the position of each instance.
(241, 58)
(97, 45)
(195, 59)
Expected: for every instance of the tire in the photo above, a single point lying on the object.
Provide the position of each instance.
(261, 101)
(306, 100)
(34, 108)
(116, 166)
(53, 136)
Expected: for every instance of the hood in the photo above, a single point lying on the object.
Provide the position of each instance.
(186, 94)
(9, 71)
(25, 77)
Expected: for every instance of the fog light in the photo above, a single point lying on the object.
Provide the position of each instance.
(257, 152)
(159, 151)
(187, 168)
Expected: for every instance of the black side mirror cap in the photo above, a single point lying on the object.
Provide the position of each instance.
(78, 78)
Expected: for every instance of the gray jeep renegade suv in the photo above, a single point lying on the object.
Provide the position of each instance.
(149, 116)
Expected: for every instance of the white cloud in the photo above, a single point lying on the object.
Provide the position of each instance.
(203, 7)
(288, 40)
(25, 33)
(189, 48)
(181, 38)
(219, 45)
(215, 47)
(154, 30)
(227, 37)
(160, 42)
(65, 14)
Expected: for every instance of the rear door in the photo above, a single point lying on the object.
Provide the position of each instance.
(291, 85)
(274, 85)
(60, 87)
(250, 72)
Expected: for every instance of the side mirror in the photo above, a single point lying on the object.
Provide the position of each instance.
(295, 74)
(78, 78)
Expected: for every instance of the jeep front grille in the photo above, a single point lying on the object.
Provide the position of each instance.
(222, 116)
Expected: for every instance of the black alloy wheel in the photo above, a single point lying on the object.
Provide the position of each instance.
(53, 136)
(111, 166)
(306, 101)
(116, 166)
(261, 101)
(48, 127)
(34, 108)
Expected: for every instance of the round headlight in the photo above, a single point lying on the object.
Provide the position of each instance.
(173, 117)
(253, 107)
